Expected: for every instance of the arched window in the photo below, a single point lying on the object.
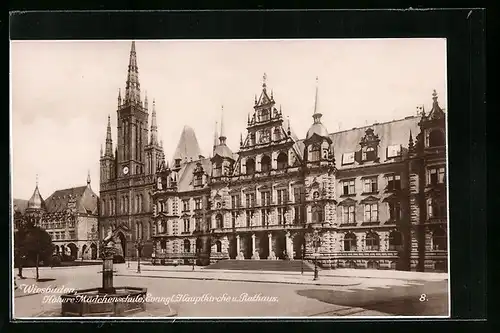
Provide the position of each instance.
(436, 208)
(436, 138)
(264, 115)
(218, 221)
(158, 183)
(372, 264)
(315, 152)
(317, 214)
(250, 166)
(265, 163)
(350, 242)
(372, 241)
(103, 207)
(395, 241)
(350, 264)
(369, 154)
(199, 245)
(187, 245)
(218, 247)
(277, 134)
(439, 241)
(282, 161)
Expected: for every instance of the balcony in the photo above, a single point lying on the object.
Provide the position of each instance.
(180, 255)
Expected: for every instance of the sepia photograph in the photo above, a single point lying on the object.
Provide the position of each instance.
(221, 179)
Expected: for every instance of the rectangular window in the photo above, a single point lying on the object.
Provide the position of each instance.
(369, 154)
(281, 216)
(186, 225)
(249, 216)
(348, 187)
(198, 224)
(436, 176)
(250, 200)
(370, 185)
(235, 201)
(296, 195)
(197, 204)
(234, 215)
(348, 214)
(347, 158)
(393, 182)
(371, 212)
(265, 216)
(265, 198)
(393, 151)
(282, 197)
(395, 211)
(185, 205)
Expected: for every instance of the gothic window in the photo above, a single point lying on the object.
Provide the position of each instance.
(371, 212)
(187, 245)
(436, 138)
(350, 242)
(315, 152)
(218, 221)
(282, 161)
(394, 211)
(277, 134)
(393, 182)
(318, 214)
(369, 154)
(265, 115)
(103, 207)
(370, 185)
(395, 241)
(265, 163)
(250, 166)
(348, 187)
(348, 215)
(218, 247)
(439, 241)
(372, 241)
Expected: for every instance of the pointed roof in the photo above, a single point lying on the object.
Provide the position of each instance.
(188, 147)
(85, 200)
(317, 128)
(264, 97)
(36, 201)
(154, 128)
(436, 111)
(133, 88)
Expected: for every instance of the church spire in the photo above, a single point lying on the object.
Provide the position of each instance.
(411, 145)
(216, 135)
(222, 137)
(154, 128)
(88, 178)
(316, 115)
(109, 141)
(133, 88)
(146, 101)
(119, 97)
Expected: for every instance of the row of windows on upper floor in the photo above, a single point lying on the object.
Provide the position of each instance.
(436, 208)
(108, 207)
(61, 235)
(350, 243)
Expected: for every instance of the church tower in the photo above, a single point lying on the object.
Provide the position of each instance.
(132, 124)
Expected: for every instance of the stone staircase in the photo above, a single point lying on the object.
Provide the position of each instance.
(262, 265)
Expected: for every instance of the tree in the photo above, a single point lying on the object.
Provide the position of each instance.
(37, 246)
(19, 250)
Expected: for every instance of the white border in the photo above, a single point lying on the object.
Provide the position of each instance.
(167, 319)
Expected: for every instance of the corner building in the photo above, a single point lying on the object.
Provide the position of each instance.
(374, 196)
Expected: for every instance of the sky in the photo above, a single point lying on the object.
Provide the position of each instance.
(63, 91)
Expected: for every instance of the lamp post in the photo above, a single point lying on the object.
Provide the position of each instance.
(139, 245)
(317, 245)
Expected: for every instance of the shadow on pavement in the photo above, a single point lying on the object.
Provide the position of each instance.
(399, 300)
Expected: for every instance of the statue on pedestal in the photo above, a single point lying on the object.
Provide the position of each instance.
(272, 256)
(240, 256)
(256, 255)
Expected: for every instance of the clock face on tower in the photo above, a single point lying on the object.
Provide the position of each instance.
(125, 170)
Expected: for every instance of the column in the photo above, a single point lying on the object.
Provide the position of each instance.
(272, 255)
(287, 245)
(238, 253)
(254, 252)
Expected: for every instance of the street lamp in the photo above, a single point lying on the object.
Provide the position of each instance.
(139, 245)
(317, 245)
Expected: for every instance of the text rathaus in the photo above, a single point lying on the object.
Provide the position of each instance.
(374, 196)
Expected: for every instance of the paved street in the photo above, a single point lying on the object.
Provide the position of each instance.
(361, 297)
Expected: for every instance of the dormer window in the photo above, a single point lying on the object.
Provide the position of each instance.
(177, 163)
(218, 169)
(315, 152)
(198, 180)
(347, 158)
(393, 151)
(369, 154)
(435, 138)
(265, 115)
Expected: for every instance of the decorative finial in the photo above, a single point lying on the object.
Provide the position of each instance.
(88, 177)
(434, 95)
(264, 78)
(289, 131)
(36, 180)
(101, 149)
(410, 142)
(119, 96)
(255, 99)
